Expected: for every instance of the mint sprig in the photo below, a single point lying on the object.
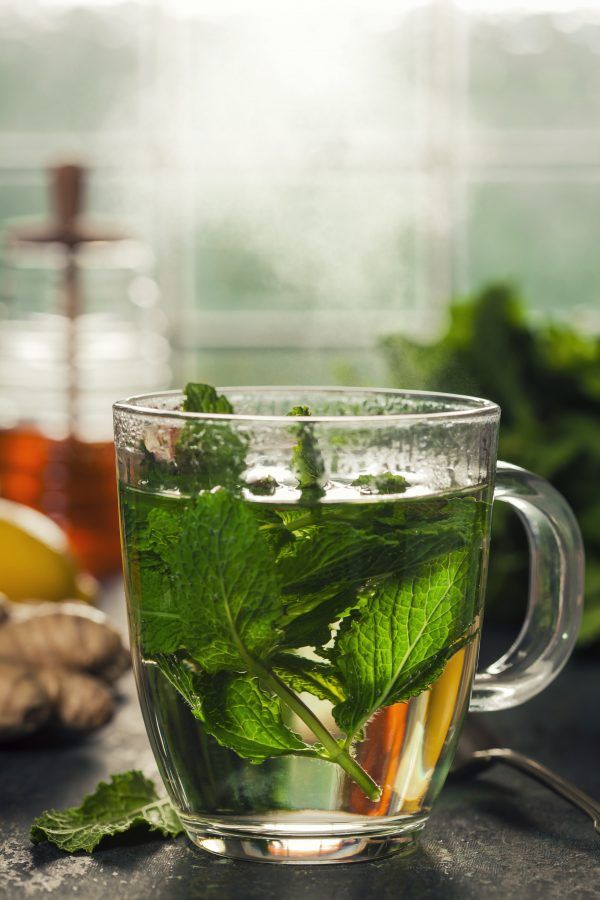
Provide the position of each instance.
(230, 590)
(128, 800)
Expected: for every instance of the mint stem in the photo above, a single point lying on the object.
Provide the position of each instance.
(312, 517)
(335, 752)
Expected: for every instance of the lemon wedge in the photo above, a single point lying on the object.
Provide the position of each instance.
(35, 561)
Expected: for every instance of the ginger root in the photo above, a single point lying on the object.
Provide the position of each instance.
(56, 664)
(61, 638)
(4, 608)
(80, 702)
(24, 704)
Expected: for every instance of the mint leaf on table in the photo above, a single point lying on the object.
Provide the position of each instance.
(307, 460)
(115, 807)
(398, 642)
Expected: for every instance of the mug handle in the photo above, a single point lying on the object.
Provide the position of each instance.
(555, 600)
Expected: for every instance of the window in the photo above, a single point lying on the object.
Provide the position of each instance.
(312, 181)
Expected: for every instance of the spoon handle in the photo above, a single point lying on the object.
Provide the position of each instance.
(546, 776)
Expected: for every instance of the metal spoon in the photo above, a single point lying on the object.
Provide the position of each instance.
(477, 750)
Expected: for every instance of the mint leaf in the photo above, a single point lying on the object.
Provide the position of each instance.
(326, 559)
(307, 461)
(386, 483)
(204, 398)
(323, 569)
(234, 709)
(185, 678)
(224, 598)
(159, 616)
(397, 643)
(208, 455)
(244, 718)
(415, 679)
(310, 625)
(317, 678)
(127, 800)
(262, 487)
(205, 454)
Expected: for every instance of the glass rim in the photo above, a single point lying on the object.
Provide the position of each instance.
(474, 407)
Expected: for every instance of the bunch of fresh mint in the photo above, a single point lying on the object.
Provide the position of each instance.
(546, 378)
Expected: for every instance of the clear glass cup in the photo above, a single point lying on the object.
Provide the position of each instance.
(305, 596)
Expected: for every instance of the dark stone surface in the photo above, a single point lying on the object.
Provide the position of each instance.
(496, 836)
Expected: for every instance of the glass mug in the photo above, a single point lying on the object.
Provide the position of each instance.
(305, 591)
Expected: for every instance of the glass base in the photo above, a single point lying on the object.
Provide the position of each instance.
(313, 849)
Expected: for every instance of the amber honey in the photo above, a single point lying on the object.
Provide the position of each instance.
(73, 482)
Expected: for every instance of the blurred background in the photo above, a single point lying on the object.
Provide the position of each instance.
(369, 192)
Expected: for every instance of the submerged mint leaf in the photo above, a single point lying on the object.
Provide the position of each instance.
(159, 616)
(327, 564)
(234, 709)
(245, 718)
(327, 559)
(307, 460)
(127, 800)
(417, 678)
(396, 644)
(312, 627)
(184, 678)
(224, 595)
(386, 483)
(317, 678)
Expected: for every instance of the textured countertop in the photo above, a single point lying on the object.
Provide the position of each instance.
(499, 835)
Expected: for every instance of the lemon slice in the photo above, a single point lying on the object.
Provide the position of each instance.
(35, 562)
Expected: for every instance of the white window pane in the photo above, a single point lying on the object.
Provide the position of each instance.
(65, 69)
(535, 71)
(273, 89)
(287, 366)
(330, 241)
(542, 234)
